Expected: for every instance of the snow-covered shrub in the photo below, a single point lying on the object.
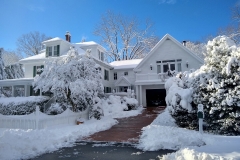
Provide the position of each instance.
(131, 103)
(218, 86)
(21, 105)
(179, 102)
(75, 79)
(96, 110)
(55, 109)
(117, 106)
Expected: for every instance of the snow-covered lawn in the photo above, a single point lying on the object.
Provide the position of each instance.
(191, 145)
(22, 144)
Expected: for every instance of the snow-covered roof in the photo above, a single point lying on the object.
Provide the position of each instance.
(53, 39)
(35, 57)
(89, 43)
(126, 63)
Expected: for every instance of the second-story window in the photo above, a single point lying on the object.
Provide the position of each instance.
(115, 75)
(52, 51)
(125, 73)
(106, 75)
(164, 66)
(100, 55)
(49, 51)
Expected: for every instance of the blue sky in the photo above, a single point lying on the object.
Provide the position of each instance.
(183, 19)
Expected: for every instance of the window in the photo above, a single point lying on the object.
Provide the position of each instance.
(37, 70)
(107, 89)
(52, 51)
(179, 67)
(125, 73)
(115, 75)
(159, 69)
(163, 66)
(100, 55)
(106, 75)
(49, 51)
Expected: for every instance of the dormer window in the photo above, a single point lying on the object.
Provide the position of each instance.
(52, 51)
(100, 55)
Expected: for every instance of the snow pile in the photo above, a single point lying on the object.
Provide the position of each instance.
(165, 119)
(115, 107)
(163, 134)
(24, 144)
(190, 154)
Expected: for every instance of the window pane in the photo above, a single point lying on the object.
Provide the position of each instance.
(179, 67)
(55, 50)
(172, 66)
(158, 68)
(165, 68)
(50, 51)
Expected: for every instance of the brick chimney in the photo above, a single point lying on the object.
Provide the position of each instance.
(184, 43)
(68, 36)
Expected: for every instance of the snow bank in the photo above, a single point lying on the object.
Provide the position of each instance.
(163, 134)
(114, 107)
(155, 137)
(221, 148)
(21, 144)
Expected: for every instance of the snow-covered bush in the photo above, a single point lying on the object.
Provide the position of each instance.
(179, 102)
(215, 85)
(21, 105)
(115, 105)
(131, 103)
(74, 78)
(55, 109)
(219, 86)
(96, 110)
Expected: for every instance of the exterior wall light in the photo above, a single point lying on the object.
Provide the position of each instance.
(151, 67)
(187, 64)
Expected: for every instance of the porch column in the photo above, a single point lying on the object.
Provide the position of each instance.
(25, 90)
(40, 92)
(140, 97)
(12, 91)
(137, 97)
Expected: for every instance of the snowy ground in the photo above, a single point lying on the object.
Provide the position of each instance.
(191, 145)
(23, 144)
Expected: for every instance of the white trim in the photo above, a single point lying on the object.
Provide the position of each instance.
(128, 83)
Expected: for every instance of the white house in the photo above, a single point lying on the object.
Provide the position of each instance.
(145, 76)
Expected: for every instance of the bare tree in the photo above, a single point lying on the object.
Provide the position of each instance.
(233, 30)
(123, 37)
(31, 43)
(197, 48)
(11, 57)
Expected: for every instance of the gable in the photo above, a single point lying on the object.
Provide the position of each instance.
(168, 48)
(123, 81)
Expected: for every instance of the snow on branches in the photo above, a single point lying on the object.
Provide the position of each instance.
(73, 78)
(216, 85)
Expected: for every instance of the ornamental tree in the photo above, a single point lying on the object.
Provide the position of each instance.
(74, 79)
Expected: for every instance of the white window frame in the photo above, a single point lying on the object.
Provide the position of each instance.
(176, 63)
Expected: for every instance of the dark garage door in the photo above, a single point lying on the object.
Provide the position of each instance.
(155, 97)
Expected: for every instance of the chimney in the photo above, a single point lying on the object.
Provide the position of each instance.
(184, 43)
(68, 36)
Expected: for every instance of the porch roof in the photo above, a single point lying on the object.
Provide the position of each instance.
(123, 81)
(15, 82)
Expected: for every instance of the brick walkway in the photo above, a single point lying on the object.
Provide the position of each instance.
(128, 129)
